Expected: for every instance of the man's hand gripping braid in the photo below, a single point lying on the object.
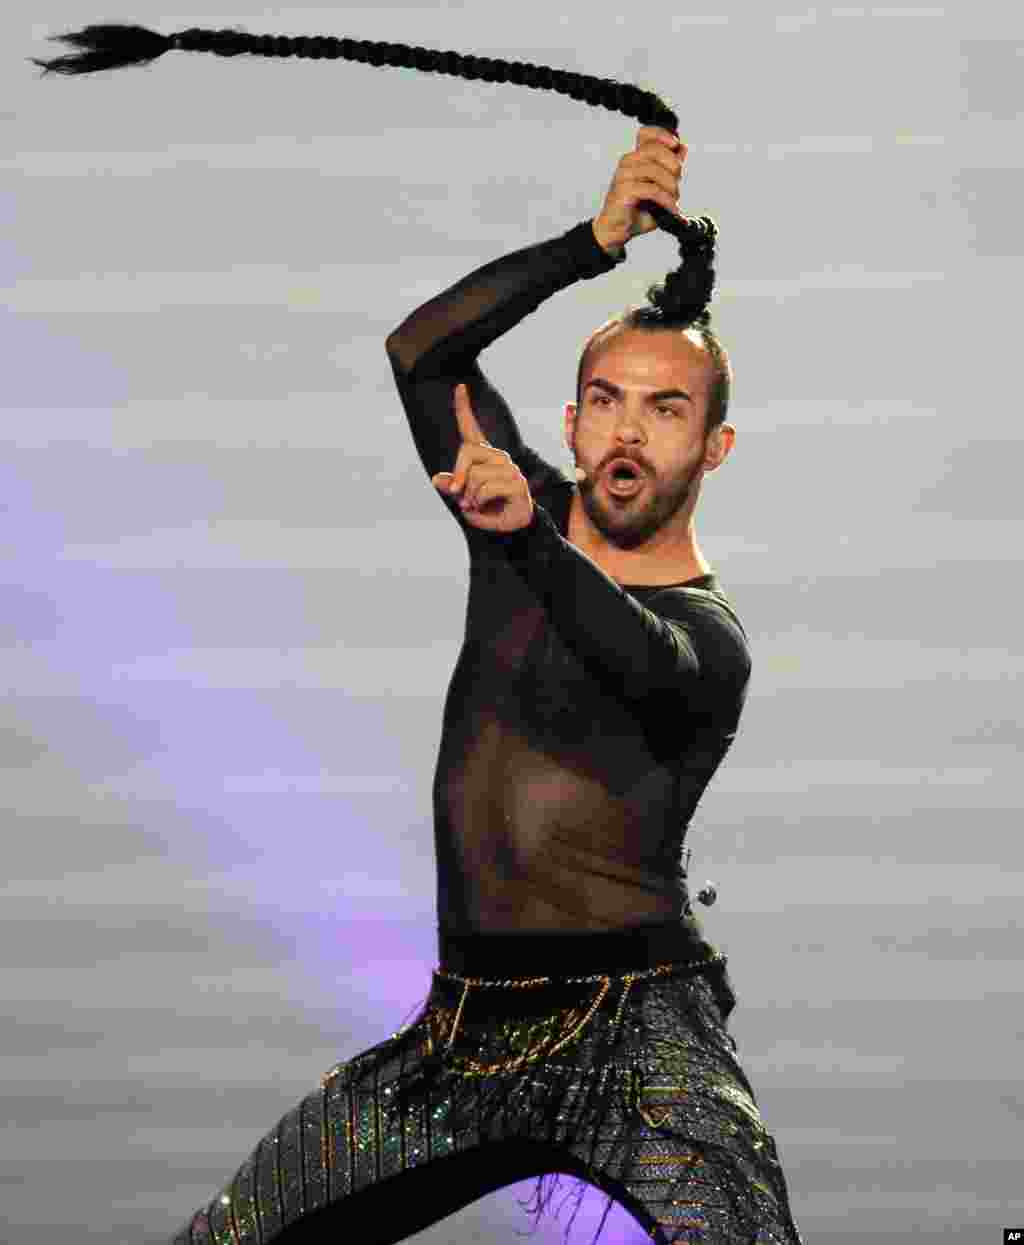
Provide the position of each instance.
(494, 494)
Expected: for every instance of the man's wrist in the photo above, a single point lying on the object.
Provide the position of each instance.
(613, 247)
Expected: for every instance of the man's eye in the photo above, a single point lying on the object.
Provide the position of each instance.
(603, 397)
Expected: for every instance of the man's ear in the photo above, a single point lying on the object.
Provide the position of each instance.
(570, 420)
(720, 444)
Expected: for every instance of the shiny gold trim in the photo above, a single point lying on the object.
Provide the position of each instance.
(542, 1049)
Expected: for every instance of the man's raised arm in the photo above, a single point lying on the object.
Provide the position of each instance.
(436, 347)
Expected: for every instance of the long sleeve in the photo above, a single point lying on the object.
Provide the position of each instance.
(436, 347)
(687, 638)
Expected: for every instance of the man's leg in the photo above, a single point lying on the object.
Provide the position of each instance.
(330, 1151)
(682, 1192)
(401, 1205)
(685, 1149)
(344, 1157)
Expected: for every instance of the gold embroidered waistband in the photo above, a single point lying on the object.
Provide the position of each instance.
(521, 983)
(567, 1021)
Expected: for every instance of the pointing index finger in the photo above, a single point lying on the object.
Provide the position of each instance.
(469, 429)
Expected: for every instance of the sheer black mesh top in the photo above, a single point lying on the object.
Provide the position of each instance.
(583, 721)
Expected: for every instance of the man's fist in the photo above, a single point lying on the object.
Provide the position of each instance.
(493, 492)
(651, 172)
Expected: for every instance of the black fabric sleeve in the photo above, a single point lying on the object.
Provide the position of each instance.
(686, 641)
(436, 348)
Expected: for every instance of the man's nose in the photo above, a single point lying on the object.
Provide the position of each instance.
(629, 430)
(631, 418)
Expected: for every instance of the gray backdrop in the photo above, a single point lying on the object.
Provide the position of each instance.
(232, 600)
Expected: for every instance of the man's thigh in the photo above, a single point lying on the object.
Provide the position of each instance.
(345, 1156)
(415, 1199)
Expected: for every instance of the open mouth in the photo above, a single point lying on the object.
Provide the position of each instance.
(623, 478)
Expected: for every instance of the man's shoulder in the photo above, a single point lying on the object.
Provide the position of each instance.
(707, 599)
(709, 614)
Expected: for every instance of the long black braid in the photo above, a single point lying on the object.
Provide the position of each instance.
(680, 302)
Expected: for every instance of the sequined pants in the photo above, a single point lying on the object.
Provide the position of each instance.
(604, 1057)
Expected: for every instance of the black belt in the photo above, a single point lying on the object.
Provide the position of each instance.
(558, 953)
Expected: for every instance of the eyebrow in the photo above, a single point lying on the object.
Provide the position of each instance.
(616, 392)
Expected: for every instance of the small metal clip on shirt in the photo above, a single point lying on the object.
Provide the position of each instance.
(709, 892)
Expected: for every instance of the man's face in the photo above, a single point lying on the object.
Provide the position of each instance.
(626, 411)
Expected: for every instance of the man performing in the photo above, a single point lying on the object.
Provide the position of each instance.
(577, 1019)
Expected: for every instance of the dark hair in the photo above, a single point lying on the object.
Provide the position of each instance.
(680, 302)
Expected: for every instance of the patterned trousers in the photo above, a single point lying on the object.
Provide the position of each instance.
(604, 1057)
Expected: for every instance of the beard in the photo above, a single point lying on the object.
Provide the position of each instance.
(629, 522)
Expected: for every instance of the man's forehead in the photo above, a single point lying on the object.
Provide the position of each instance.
(638, 355)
